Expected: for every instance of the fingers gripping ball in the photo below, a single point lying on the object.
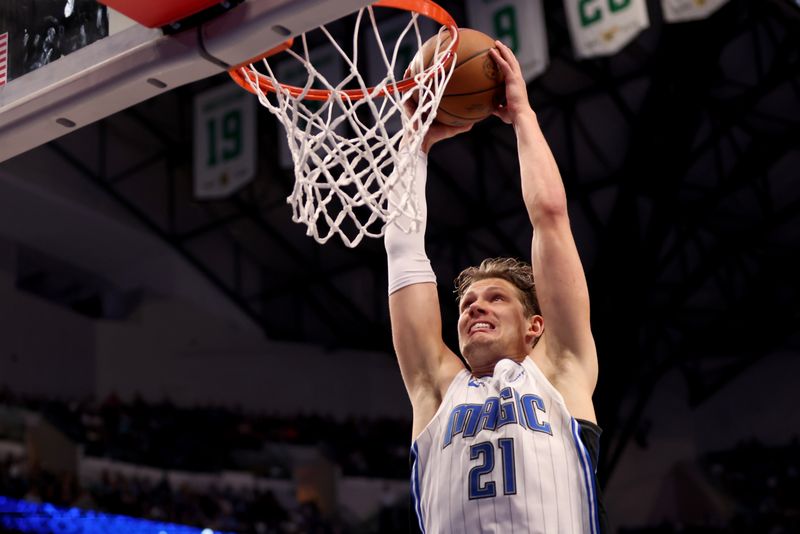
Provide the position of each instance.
(476, 86)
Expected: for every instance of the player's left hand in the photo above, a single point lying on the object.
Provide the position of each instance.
(516, 91)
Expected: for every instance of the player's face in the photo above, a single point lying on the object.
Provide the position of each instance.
(492, 323)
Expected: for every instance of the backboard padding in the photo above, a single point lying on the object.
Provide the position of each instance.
(138, 63)
(158, 13)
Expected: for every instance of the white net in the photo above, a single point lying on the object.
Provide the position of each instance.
(351, 152)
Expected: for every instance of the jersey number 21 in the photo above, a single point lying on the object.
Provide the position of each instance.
(485, 453)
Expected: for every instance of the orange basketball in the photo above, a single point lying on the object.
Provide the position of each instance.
(476, 86)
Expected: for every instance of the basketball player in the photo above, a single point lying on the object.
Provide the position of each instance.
(509, 443)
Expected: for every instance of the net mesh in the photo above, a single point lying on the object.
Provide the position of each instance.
(351, 155)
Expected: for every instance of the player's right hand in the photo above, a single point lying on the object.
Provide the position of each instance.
(516, 90)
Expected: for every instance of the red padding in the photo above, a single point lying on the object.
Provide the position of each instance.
(158, 13)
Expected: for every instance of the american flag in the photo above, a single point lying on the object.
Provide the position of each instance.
(3, 57)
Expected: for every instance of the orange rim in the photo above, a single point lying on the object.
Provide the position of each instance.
(426, 8)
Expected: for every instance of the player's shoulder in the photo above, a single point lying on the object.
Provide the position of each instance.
(451, 367)
(426, 403)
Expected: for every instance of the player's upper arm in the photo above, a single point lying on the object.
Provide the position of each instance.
(562, 290)
(426, 363)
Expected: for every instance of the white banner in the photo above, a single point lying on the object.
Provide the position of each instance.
(224, 141)
(603, 27)
(327, 61)
(519, 24)
(684, 10)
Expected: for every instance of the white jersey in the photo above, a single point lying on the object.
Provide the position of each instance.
(502, 454)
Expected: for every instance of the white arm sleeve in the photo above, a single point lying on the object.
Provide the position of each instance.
(405, 253)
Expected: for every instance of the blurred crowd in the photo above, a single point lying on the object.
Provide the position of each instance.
(218, 508)
(762, 484)
(208, 439)
(44, 31)
(763, 481)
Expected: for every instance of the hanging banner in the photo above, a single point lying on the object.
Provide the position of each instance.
(685, 10)
(519, 24)
(328, 62)
(224, 141)
(603, 27)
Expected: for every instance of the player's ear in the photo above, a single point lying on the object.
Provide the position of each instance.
(535, 328)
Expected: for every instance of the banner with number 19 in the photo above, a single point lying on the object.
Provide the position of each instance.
(224, 141)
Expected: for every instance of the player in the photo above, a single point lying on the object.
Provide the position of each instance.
(508, 444)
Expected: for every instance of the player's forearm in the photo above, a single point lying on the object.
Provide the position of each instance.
(407, 261)
(542, 188)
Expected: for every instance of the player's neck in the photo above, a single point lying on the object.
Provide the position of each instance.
(487, 369)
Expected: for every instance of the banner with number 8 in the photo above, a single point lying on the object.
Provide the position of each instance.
(519, 24)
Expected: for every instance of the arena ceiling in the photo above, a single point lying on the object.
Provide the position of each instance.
(681, 159)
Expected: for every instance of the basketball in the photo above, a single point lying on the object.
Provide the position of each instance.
(476, 86)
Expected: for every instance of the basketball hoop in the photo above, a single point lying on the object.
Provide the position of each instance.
(355, 184)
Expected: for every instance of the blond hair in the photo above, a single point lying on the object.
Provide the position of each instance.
(514, 271)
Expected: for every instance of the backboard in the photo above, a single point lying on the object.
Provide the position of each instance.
(112, 62)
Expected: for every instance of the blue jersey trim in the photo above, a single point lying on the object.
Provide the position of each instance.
(588, 478)
(415, 490)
